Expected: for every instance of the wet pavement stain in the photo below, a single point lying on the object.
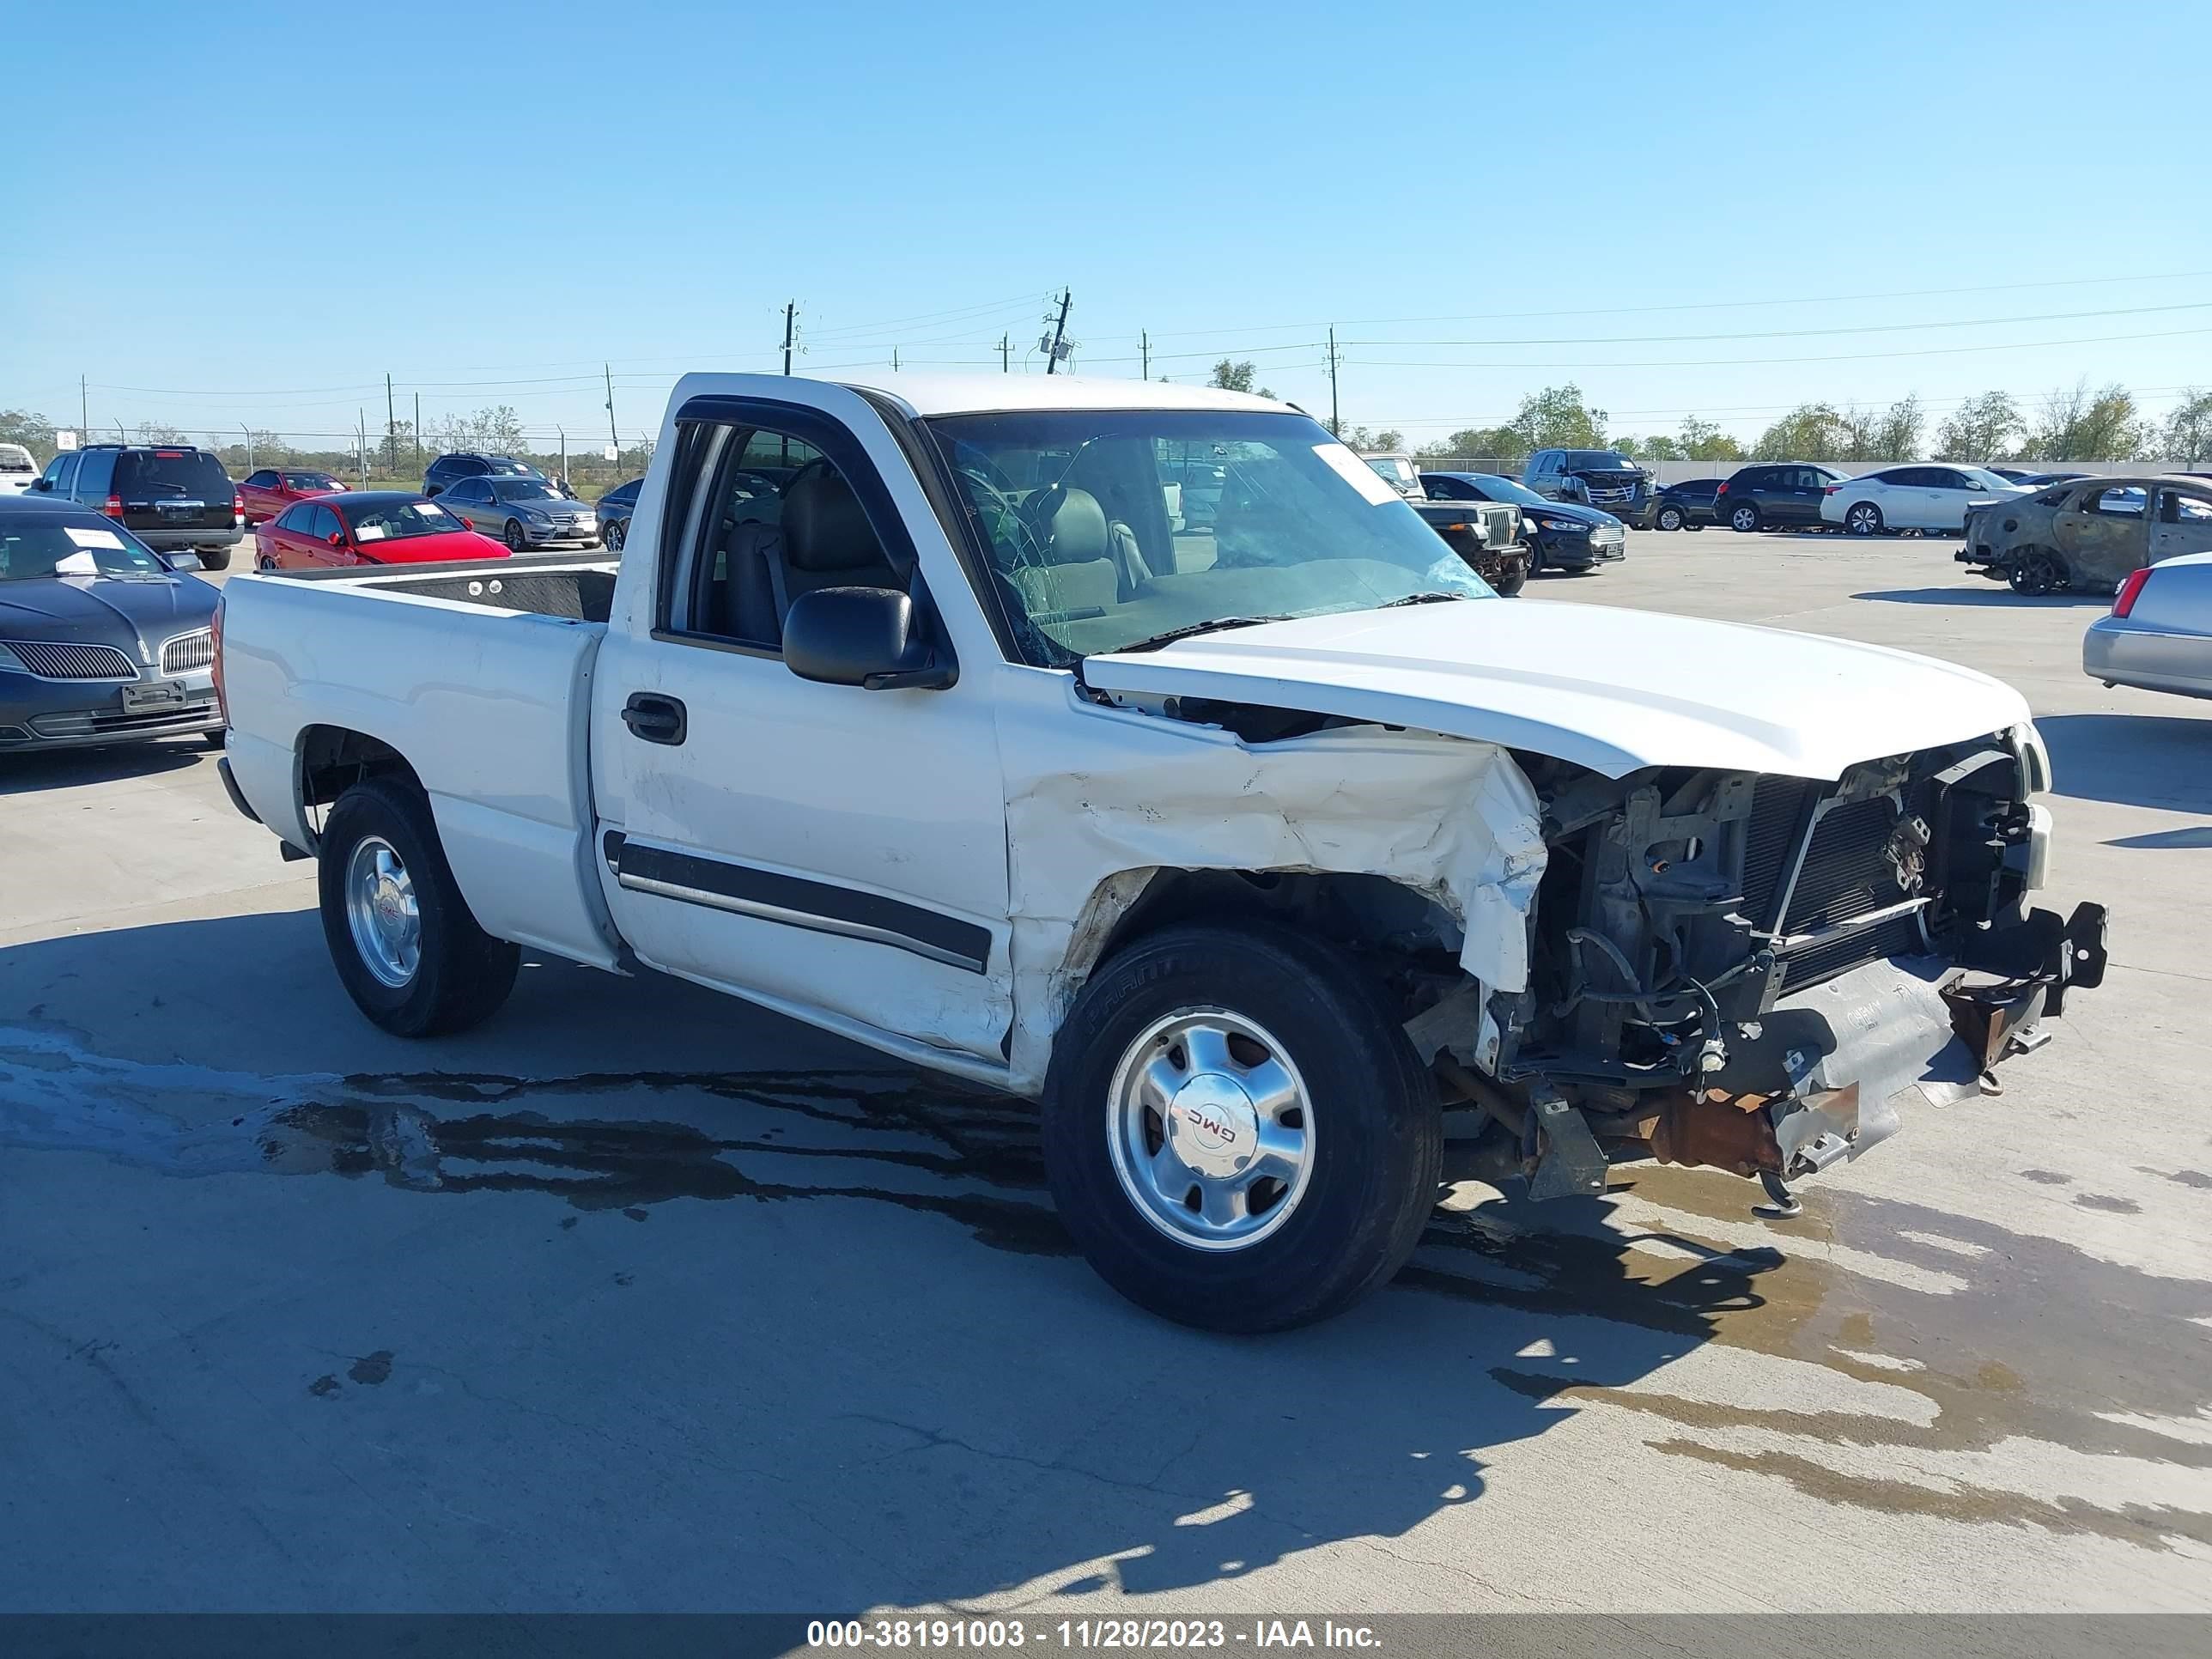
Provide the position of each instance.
(2047, 1177)
(372, 1369)
(2196, 1178)
(2106, 1202)
(2024, 1336)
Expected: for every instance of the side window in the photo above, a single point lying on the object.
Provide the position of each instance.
(294, 519)
(2120, 501)
(1958, 481)
(468, 490)
(1547, 462)
(263, 480)
(771, 519)
(96, 476)
(323, 523)
(64, 473)
(2174, 508)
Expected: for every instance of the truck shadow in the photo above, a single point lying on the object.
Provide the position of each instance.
(2134, 760)
(63, 769)
(1990, 596)
(983, 1423)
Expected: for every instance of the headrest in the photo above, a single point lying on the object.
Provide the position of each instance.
(1075, 533)
(824, 527)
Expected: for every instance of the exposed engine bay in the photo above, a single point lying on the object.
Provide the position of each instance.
(1745, 970)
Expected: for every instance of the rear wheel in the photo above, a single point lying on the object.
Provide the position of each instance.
(1670, 518)
(405, 946)
(1743, 518)
(1237, 1132)
(214, 558)
(1863, 518)
(512, 535)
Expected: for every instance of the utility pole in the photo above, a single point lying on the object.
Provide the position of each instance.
(361, 416)
(608, 369)
(1145, 347)
(418, 432)
(391, 428)
(1058, 332)
(563, 431)
(83, 409)
(894, 360)
(790, 321)
(242, 426)
(1006, 354)
(1335, 424)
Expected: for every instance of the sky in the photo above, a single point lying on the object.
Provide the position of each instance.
(240, 215)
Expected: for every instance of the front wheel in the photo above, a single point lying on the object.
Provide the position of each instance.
(512, 535)
(613, 535)
(1511, 583)
(1237, 1132)
(406, 948)
(1863, 518)
(1670, 518)
(1743, 519)
(2034, 572)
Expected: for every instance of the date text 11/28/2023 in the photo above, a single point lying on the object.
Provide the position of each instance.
(1138, 1634)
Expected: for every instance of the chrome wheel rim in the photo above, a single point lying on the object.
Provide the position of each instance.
(613, 538)
(382, 913)
(1743, 519)
(1212, 1129)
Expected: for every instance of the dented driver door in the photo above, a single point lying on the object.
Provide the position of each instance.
(2104, 531)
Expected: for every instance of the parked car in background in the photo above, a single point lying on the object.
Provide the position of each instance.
(614, 509)
(1195, 472)
(1774, 496)
(369, 526)
(174, 497)
(1395, 468)
(2088, 534)
(1690, 504)
(2012, 474)
(2159, 635)
(264, 494)
(1912, 498)
(1603, 479)
(1561, 535)
(18, 470)
(447, 471)
(101, 639)
(1486, 536)
(2044, 480)
(523, 512)
(1250, 869)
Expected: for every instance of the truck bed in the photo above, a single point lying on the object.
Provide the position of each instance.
(478, 675)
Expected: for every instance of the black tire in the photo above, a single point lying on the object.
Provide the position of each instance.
(1691, 525)
(512, 535)
(615, 534)
(1507, 586)
(264, 560)
(1743, 518)
(214, 558)
(1378, 1135)
(1671, 517)
(1863, 519)
(2034, 572)
(464, 973)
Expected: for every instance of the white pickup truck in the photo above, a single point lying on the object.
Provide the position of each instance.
(1290, 870)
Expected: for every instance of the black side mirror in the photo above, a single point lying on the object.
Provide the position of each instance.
(44, 486)
(862, 637)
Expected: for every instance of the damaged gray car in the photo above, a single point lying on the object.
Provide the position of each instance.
(2087, 535)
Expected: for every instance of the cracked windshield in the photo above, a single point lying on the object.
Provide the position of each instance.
(1108, 529)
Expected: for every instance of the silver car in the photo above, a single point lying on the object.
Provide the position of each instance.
(524, 513)
(2159, 635)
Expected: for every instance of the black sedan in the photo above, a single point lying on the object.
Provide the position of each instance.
(1564, 535)
(615, 509)
(1686, 506)
(101, 640)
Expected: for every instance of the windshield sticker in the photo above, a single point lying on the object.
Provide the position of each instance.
(1357, 473)
(77, 564)
(106, 538)
(369, 532)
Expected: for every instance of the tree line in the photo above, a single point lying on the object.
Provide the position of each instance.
(2070, 423)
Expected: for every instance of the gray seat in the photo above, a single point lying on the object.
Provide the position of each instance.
(828, 541)
(1074, 569)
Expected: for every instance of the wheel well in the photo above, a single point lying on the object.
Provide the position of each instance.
(333, 758)
(1396, 927)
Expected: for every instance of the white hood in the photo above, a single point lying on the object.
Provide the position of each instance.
(1611, 690)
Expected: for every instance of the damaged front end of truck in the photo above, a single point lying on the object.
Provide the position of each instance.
(1754, 972)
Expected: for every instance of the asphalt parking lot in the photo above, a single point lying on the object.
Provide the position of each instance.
(637, 1297)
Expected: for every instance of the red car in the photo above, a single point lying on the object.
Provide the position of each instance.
(273, 488)
(368, 526)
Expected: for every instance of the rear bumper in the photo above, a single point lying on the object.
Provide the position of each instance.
(2126, 653)
(183, 541)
